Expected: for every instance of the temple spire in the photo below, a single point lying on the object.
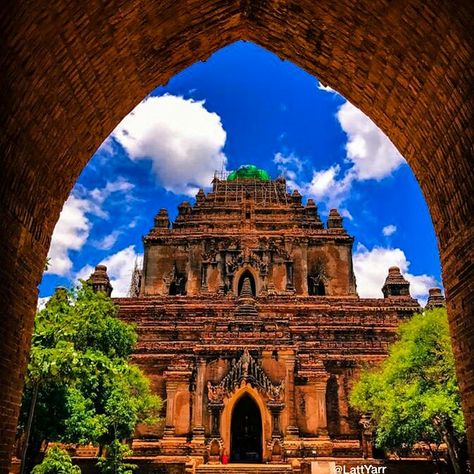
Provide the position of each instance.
(395, 284)
(435, 299)
(100, 280)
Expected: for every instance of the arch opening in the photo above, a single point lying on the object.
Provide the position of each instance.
(246, 282)
(246, 431)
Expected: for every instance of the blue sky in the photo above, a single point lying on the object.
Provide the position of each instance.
(245, 105)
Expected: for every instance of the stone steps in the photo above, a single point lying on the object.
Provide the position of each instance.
(244, 468)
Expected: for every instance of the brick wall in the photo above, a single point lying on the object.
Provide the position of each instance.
(71, 71)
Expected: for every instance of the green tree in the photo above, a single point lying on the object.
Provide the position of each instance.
(114, 462)
(413, 395)
(81, 387)
(56, 461)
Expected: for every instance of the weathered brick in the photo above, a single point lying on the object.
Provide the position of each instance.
(71, 71)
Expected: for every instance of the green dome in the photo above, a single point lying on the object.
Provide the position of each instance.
(249, 172)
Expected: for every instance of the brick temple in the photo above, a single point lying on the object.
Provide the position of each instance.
(251, 329)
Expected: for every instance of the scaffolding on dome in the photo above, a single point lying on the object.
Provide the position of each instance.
(261, 191)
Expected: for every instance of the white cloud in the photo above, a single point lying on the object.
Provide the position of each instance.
(120, 267)
(106, 147)
(183, 140)
(71, 233)
(373, 155)
(289, 167)
(108, 241)
(324, 88)
(121, 185)
(369, 152)
(345, 213)
(42, 300)
(389, 230)
(326, 187)
(283, 161)
(371, 269)
(73, 227)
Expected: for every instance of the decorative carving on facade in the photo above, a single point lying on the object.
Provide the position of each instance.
(215, 393)
(246, 369)
(367, 434)
(209, 255)
(366, 422)
(247, 256)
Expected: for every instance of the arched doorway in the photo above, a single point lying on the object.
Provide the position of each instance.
(246, 431)
(247, 275)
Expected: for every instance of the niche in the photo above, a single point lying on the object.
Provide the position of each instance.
(178, 282)
(246, 286)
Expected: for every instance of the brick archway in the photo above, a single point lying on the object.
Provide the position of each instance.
(227, 414)
(74, 69)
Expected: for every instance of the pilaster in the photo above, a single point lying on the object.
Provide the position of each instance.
(197, 422)
(290, 359)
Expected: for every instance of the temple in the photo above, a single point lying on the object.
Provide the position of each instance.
(251, 329)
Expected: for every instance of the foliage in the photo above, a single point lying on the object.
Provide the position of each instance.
(413, 395)
(88, 392)
(56, 461)
(114, 462)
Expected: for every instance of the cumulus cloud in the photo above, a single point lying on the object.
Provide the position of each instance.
(325, 186)
(120, 267)
(389, 230)
(371, 269)
(372, 154)
(74, 225)
(71, 233)
(180, 136)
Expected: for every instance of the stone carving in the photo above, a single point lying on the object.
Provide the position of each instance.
(246, 369)
(275, 392)
(247, 256)
(210, 252)
(215, 393)
(366, 422)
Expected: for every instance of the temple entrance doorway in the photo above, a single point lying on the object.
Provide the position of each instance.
(246, 431)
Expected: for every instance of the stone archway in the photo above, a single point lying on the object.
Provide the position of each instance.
(72, 72)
